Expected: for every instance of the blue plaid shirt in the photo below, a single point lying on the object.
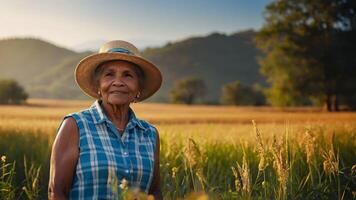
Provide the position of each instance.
(106, 158)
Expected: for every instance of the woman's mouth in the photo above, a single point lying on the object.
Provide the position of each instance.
(118, 92)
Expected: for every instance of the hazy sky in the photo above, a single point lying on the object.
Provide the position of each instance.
(76, 23)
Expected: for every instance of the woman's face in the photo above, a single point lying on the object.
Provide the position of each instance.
(118, 83)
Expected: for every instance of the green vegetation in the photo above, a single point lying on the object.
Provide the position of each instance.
(58, 81)
(11, 92)
(24, 59)
(45, 70)
(235, 93)
(205, 150)
(216, 58)
(24, 164)
(309, 51)
(188, 90)
(314, 166)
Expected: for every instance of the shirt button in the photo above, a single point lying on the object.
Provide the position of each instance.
(125, 153)
(127, 171)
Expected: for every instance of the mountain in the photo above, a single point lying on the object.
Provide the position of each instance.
(58, 81)
(46, 70)
(217, 59)
(41, 67)
(25, 58)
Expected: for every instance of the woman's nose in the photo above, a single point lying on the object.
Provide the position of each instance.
(118, 81)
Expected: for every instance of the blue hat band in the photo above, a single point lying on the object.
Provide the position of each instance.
(120, 50)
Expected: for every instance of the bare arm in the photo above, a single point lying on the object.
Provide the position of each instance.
(64, 157)
(155, 188)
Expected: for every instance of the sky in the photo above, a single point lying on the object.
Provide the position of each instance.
(82, 24)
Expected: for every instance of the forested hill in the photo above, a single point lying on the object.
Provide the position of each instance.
(216, 58)
(46, 70)
(23, 59)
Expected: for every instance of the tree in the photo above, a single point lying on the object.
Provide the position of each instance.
(188, 90)
(11, 92)
(235, 93)
(309, 51)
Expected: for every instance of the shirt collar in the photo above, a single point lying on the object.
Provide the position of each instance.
(100, 116)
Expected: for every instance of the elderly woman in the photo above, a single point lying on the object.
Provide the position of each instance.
(98, 148)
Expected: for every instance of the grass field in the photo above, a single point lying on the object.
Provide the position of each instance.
(212, 151)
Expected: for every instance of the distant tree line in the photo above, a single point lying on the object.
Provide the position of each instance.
(188, 90)
(191, 90)
(235, 93)
(11, 92)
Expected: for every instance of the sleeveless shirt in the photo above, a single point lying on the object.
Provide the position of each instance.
(106, 157)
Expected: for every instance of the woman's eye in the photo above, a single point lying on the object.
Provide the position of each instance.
(129, 75)
(108, 74)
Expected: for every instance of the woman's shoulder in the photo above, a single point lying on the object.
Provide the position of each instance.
(149, 130)
(79, 114)
(147, 125)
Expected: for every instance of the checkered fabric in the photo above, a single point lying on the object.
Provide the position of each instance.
(106, 158)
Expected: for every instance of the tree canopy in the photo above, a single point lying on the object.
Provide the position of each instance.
(309, 51)
(188, 90)
(11, 92)
(235, 93)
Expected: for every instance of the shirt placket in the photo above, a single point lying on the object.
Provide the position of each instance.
(126, 155)
(124, 143)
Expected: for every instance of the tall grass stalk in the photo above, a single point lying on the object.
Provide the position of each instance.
(278, 168)
(32, 175)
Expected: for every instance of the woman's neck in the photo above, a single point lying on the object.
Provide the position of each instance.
(118, 114)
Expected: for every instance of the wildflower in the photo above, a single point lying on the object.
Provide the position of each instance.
(113, 181)
(123, 184)
(3, 159)
(174, 172)
(264, 184)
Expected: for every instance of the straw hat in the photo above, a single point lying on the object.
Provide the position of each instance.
(117, 50)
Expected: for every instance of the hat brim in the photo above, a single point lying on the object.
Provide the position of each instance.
(84, 73)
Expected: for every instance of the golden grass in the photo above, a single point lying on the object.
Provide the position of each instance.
(176, 114)
(183, 121)
(224, 148)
